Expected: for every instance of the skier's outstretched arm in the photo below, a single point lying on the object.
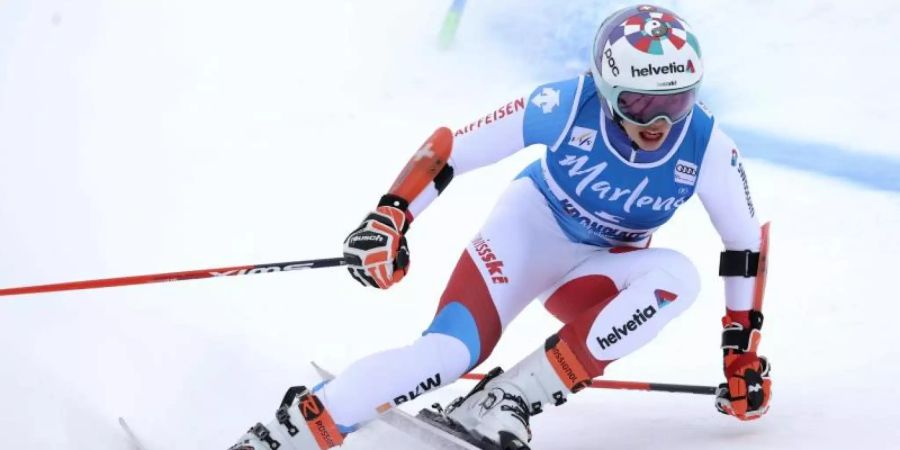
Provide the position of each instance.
(479, 143)
(376, 251)
(723, 188)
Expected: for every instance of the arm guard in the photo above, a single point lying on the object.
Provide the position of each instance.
(747, 263)
(428, 165)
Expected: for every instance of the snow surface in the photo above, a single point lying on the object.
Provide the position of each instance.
(141, 137)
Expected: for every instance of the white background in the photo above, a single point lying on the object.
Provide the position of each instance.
(150, 136)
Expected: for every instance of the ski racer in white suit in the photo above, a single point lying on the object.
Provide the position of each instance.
(626, 145)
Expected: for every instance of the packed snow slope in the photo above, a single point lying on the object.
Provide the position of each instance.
(140, 137)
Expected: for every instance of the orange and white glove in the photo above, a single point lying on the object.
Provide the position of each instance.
(748, 389)
(376, 252)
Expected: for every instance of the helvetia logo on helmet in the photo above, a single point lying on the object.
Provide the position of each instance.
(672, 68)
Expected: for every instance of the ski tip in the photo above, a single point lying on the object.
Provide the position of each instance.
(134, 440)
(324, 374)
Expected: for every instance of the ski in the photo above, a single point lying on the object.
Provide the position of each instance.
(434, 436)
(435, 418)
(437, 437)
(133, 437)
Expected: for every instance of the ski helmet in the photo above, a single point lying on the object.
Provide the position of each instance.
(647, 65)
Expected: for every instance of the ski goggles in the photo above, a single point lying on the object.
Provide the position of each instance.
(644, 108)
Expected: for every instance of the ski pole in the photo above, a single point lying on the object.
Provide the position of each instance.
(177, 276)
(635, 385)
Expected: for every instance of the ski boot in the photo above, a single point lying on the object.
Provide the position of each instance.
(496, 413)
(301, 423)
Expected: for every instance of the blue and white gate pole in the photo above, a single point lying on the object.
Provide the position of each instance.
(451, 23)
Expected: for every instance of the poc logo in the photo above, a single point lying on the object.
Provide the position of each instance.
(611, 62)
(685, 172)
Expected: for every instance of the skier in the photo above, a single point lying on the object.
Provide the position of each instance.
(627, 145)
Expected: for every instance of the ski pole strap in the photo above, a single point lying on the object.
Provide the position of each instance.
(394, 201)
(739, 339)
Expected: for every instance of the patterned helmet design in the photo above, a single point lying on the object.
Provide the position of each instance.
(645, 49)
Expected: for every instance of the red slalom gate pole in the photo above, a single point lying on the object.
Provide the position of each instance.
(176, 276)
(635, 386)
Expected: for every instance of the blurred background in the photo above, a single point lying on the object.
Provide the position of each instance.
(150, 136)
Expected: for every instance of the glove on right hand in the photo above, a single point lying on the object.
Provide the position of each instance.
(376, 252)
(748, 388)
